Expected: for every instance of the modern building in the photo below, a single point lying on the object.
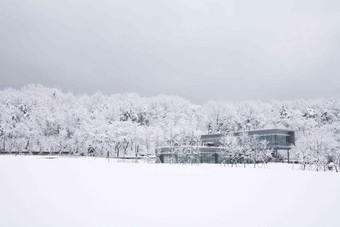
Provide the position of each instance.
(280, 141)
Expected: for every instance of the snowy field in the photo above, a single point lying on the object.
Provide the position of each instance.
(35, 191)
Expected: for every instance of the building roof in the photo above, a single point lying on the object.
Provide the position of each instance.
(261, 131)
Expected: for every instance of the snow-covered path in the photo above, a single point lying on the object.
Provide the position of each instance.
(35, 191)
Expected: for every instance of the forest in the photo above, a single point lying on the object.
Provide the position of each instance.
(41, 118)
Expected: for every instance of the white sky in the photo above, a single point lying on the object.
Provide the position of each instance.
(198, 49)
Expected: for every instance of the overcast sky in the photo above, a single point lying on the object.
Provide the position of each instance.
(198, 49)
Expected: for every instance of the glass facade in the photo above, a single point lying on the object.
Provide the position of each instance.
(197, 157)
(170, 158)
(211, 157)
(215, 141)
(273, 138)
(276, 139)
(208, 157)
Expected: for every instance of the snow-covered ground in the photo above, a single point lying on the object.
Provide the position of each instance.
(35, 191)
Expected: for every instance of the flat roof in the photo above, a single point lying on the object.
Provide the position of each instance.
(260, 131)
(275, 130)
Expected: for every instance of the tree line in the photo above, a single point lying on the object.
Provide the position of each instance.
(40, 118)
